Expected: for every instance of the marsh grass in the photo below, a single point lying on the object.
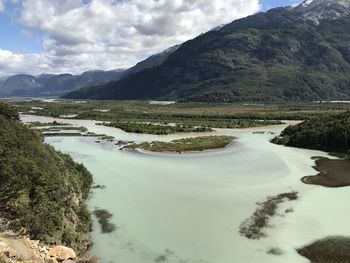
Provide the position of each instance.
(334, 249)
(186, 145)
(253, 227)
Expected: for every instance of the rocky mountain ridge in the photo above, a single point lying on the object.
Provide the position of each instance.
(317, 10)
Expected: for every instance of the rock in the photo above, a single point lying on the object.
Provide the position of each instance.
(10, 254)
(88, 259)
(61, 253)
(42, 249)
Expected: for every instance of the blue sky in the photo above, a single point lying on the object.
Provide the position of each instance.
(268, 4)
(56, 36)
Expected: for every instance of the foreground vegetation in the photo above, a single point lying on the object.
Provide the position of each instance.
(42, 191)
(327, 133)
(185, 145)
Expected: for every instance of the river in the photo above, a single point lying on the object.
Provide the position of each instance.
(187, 208)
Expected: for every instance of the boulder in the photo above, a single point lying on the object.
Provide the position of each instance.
(61, 253)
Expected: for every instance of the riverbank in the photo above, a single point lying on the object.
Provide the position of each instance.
(17, 248)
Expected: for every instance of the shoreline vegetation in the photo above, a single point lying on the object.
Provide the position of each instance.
(331, 134)
(42, 191)
(325, 133)
(195, 144)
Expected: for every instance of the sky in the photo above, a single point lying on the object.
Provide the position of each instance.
(72, 36)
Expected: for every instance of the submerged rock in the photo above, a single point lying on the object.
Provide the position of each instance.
(103, 217)
(88, 259)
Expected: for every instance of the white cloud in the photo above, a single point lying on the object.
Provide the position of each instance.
(108, 34)
(2, 5)
(12, 63)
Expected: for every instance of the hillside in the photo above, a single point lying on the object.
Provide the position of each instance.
(285, 54)
(328, 133)
(151, 62)
(53, 85)
(42, 191)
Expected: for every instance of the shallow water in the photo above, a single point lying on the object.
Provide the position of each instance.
(188, 208)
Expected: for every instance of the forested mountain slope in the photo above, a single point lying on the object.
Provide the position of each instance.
(42, 191)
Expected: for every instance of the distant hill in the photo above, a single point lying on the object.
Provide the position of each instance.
(285, 54)
(53, 85)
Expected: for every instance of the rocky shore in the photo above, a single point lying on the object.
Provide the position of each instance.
(15, 248)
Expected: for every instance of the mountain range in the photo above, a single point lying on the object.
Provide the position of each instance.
(22, 85)
(285, 54)
(53, 85)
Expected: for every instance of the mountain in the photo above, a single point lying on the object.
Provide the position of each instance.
(152, 61)
(317, 10)
(283, 54)
(54, 85)
(19, 82)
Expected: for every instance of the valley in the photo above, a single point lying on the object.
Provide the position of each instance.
(150, 219)
(170, 131)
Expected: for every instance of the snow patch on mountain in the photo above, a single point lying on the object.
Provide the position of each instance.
(316, 10)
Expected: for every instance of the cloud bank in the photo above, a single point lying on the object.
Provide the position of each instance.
(82, 35)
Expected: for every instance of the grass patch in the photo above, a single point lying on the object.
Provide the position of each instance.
(253, 227)
(332, 173)
(44, 124)
(157, 129)
(186, 145)
(328, 250)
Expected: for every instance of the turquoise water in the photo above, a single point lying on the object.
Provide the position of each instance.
(179, 208)
(188, 208)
